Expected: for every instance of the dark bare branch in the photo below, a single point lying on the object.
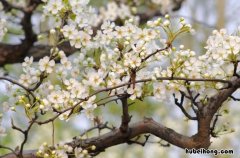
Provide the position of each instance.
(125, 115)
(180, 105)
(213, 134)
(234, 98)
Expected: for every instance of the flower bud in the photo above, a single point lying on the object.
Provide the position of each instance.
(181, 47)
(85, 152)
(93, 147)
(166, 23)
(167, 16)
(13, 108)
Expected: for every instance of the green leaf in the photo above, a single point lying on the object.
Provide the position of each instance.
(72, 16)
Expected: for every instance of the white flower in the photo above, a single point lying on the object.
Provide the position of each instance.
(118, 68)
(89, 104)
(76, 40)
(79, 2)
(94, 79)
(119, 32)
(69, 31)
(64, 116)
(85, 39)
(135, 92)
(132, 61)
(107, 27)
(61, 154)
(46, 65)
(61, 54)
(27, 62)
(66, 63)
(89, 113)
(159, 91)
(54, 6)
(56, 97)
(81, 153)
(25, 79)
(34, 73)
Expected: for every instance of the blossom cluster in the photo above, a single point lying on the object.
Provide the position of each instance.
(111, 58)
(118, 55)
(112, 11)
(79, 18)
(114, 54)
(61, 150)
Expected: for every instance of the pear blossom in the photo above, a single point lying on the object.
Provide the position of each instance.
(81, 153)
(64, 116)
(45, 64)
(66, 63)
(61, 154)
(76, 39)
(135, 92)
(89, 104)
(25, 79)
(107, 27)
(159, 91)
(54, 6)
(56, 97)
(27, 62)
(89, 113)
(69, 31)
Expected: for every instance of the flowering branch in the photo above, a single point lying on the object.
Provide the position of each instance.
(123, 62)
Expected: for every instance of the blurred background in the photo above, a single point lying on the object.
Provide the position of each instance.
(205, 16)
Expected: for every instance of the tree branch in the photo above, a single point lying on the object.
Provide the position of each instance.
(180, 105)
(234, 98)
(125, 115)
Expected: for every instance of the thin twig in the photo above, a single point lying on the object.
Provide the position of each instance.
(53, 133)
(234, 98)
(214, 125)
(26, 132)
(180, 105)
(8, 148)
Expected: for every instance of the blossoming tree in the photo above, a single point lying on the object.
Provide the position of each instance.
(116, 60)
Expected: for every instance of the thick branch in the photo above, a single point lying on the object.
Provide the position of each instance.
(116, 137)
(16, 53)
(13, 53)
(8, 6)
(125, 115)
